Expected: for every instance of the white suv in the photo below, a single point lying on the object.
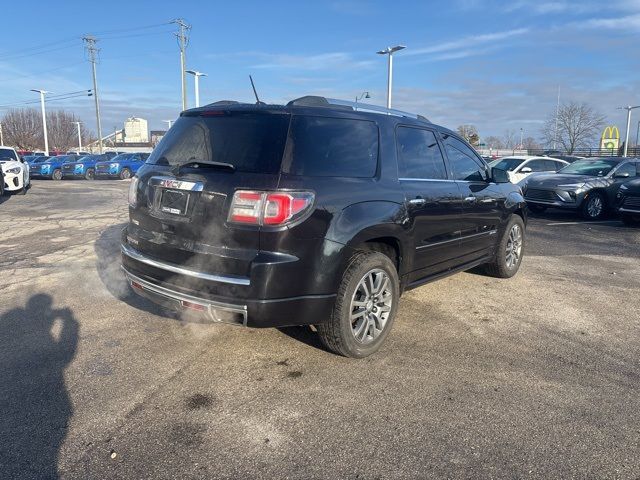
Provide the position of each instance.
(15, 171)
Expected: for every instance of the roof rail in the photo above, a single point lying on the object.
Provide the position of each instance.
(317, 101)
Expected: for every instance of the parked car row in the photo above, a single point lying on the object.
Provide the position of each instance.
(592, 187)
(89, 167)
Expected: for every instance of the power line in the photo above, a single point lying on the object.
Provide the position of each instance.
(60, 96)
(5, 107)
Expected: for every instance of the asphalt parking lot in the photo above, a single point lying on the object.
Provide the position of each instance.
(537, 376)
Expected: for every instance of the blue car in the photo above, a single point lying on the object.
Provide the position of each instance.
(84, 167)
(35, 159)
(121, 166)
(52, 167)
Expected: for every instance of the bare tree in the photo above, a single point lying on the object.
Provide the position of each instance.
(469, 133)
(22, 128)
(63, 132)
(494, 142)
(530, 143)
(509, 138)
(577, 126)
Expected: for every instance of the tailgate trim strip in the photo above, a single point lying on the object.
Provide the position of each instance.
(171, 267)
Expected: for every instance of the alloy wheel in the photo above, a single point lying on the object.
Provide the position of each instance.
(594, 207)
(371, 305)
(514, 247)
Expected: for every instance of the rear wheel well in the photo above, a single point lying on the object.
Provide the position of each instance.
(520, 213)
(389, 246)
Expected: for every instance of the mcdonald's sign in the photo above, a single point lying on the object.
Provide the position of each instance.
(610, 138)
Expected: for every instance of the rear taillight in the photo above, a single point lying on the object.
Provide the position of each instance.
(250, 207)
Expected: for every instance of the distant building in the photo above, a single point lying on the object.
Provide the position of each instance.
(135, 130)
(156, 136)
(134, 137)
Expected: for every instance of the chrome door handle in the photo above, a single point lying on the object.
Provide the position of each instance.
(471, 199)
(417, 201)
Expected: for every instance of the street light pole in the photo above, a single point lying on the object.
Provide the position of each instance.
(79, 136)
(626, 141)
(521, 139)
(390, 51)
(196, 77)
(1, 137)
(44, 119)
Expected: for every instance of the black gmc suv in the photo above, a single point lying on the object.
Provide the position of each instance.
(318, 212)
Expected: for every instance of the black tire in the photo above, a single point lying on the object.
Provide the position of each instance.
(57, 174)
(593, 207)
(338, 333)
(125, 174)
(631, 220)
(89, 174)
(536, 208)
(500, 266)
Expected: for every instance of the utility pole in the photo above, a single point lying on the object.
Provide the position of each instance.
(44, 119)
(92, 50)
(1, 138)
(79, 136)
(183, 41)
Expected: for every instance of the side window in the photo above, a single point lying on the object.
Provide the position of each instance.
(553, 166)
(419, 155)
(463, 161)
(539, 166)
(332, 147)
(629, 168)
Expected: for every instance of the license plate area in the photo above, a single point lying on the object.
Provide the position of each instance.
(175, 202)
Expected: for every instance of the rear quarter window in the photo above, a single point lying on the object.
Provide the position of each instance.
(332, 147)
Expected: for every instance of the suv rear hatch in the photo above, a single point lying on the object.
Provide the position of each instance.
(182, 198)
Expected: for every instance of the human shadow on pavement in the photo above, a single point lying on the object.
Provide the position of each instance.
(36, 344)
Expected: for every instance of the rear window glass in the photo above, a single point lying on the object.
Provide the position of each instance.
(250, 142)
(332, 147)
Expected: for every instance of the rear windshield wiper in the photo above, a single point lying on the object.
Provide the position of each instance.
(203, 163)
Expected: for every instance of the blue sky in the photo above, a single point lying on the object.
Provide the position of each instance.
(494, 64)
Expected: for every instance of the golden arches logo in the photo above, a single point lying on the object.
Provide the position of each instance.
(610, 137)
(610, 133)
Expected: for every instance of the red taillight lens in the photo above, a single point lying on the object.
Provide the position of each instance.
(269, 208)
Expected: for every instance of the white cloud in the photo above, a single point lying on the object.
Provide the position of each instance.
(323, 61)
(472, 41)
(629, 23)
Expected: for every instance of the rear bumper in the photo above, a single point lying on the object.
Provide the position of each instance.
(252, 312)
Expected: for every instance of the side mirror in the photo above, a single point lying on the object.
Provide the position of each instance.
(21, 158)
(621, 175)
(526, 170)
(499, 176)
